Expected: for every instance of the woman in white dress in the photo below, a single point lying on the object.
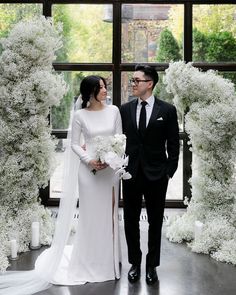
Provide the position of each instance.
(94, 255)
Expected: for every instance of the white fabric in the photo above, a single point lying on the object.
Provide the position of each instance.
(148, 107)
(95, 254)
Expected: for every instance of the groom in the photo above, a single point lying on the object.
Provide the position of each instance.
(152, 132)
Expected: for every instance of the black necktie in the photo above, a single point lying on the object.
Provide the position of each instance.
(142, 119)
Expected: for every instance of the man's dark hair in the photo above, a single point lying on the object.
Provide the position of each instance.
(149, 72)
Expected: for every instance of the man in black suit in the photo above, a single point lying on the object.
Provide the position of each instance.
(152, 132)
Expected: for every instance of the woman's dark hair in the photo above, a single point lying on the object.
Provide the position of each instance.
(90, 85)
(149, 72)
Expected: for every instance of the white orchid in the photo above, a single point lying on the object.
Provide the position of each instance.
(111, 150)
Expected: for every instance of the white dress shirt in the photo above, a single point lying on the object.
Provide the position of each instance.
(149, 107)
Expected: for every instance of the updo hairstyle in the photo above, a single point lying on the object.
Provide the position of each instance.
(90, 86)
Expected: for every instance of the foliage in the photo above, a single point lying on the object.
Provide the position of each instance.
(82, 42)
(210, 122)
(60, 115)
(215, 18)
(11, 14)
(61, 15)
(168, 48)
(160, 91)
(221, 47)
(28, 87)
(213, 47)
(175, 21)
(200, 45)
(90, 38)
(206, 19)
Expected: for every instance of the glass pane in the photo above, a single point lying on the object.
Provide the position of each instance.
(11, 14)
(57, 176)
(214, 33)
(87, 33)
(159, 91)
(60, 114)
(152, 32)
(175, 186)
(229, 75)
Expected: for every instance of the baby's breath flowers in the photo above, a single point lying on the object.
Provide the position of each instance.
(28, 88)
(210, 103)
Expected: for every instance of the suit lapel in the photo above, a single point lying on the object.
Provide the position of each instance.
(133, 110)
(155, 112)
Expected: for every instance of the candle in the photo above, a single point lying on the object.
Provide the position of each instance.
(13, 244)
(198, 227)
(35, 234)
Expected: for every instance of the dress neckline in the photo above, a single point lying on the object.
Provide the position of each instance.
(105, 107)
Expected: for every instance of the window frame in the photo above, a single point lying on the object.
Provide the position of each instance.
(116, 66)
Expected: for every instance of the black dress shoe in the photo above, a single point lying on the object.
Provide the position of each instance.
(134, 273)
(151, 275)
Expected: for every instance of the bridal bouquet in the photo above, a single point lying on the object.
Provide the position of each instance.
(111, 150)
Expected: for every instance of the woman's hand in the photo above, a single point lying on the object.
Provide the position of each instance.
(97, 165)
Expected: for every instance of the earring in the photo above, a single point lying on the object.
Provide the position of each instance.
(88, 104)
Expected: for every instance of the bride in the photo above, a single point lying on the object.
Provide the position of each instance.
(94, 255)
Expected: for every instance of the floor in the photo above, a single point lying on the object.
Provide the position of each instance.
(182, 272)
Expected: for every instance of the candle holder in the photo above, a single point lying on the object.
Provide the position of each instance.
(198, 229)
(35, 235)
(13, 258)
(34, 247)
(13, 245)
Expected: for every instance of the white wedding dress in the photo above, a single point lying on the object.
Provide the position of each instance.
(94, 255)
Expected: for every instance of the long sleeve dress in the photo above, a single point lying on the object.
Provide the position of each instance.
(95, 253)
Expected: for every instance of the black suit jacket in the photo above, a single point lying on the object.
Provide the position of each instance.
(158, 151)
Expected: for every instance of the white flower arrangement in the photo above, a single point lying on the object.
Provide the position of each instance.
(210, 103)
(28, 88)
(111, 150)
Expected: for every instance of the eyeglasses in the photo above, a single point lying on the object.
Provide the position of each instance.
(136, 81)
